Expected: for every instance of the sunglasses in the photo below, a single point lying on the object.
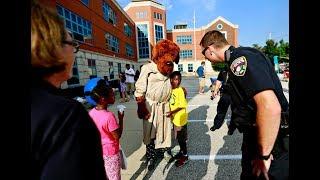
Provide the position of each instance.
(205, 49)
(75, 45)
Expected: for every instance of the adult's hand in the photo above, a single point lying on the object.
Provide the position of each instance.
(261, 167)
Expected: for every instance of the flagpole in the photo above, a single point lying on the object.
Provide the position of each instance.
(194, 35)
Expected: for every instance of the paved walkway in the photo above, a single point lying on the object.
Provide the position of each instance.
(214, 155)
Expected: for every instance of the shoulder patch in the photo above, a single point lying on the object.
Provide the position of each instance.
(239, 66)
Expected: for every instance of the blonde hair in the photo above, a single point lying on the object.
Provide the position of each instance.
(47, 34)
(215, 38)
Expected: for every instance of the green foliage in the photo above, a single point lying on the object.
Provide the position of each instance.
(218, 66)
(273, 48)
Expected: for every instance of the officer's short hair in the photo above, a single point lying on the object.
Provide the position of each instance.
(215, 38)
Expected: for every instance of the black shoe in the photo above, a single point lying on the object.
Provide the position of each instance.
(230, 131)
(182, 160)
(178, 155)
(151, 165)
(213, 128)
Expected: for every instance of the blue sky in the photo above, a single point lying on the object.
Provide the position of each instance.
(256, 18)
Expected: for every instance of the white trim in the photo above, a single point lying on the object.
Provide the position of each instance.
(205, 27)
(144, 3)
(226, 34)
(215, 157)
(222, 19)
(123, 12)
(154, 30)
(148, 29)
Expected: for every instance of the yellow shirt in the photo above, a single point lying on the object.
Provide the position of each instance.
(178, 100)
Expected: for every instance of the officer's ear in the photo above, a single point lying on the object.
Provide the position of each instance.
(227, 55)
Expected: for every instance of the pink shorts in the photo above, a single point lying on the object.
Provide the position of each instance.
(112, 165)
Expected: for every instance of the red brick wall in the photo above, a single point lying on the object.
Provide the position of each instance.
(94, 14)
(232, 38)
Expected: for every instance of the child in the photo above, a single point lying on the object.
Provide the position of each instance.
(178, 107)
(123, 87)
(110, 130)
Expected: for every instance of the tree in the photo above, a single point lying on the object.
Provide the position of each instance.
(273, 48)
(256, 46)
(218, 66)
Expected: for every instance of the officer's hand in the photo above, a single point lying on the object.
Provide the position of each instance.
(261, 167)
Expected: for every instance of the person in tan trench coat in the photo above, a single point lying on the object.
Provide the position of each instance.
(153, 90)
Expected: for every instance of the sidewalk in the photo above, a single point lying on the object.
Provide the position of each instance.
(213, 155)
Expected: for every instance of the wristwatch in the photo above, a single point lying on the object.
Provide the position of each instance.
(261, 157)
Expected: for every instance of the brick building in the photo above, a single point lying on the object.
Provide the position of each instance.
(106, 34)
(189, 39)
(150, 19)
(111, 37)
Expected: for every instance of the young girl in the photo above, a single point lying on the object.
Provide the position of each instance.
(123, 87)
(110, 130)
(178, 112)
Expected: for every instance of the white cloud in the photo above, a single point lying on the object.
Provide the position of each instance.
(167, 3)
(209, 4)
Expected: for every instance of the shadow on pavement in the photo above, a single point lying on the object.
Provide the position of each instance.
(198, 144)
(229, 168)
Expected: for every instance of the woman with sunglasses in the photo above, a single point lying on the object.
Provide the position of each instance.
(65, 143)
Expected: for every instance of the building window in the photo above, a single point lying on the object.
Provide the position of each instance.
(184, 39)
(92, 66)
(158, 32)
(190, 67)
(186, 54)
(143, 41)
(112, 42)
(127, 30)
(86, 2)
(79, 27)
(160, 16)
(109, 14)
(219, 26)
(141, 15)
(180, 67)
(74, 80)
(154, 15)
(129, 50)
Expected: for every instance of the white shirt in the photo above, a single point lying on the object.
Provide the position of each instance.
(129, 79)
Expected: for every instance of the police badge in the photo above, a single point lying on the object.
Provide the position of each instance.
(239, 66)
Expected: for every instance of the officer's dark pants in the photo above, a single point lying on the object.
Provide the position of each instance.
(223, 105)
(279, 169)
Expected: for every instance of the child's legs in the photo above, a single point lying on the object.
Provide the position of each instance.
(151, 152)
(112, 166)
(182, 137)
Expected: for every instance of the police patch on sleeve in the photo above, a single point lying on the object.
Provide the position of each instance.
(239, 66)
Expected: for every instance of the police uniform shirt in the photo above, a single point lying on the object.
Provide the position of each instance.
(253, 73)
(222, 76)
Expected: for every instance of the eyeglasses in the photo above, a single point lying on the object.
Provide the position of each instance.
(205, 49)
(75, 45)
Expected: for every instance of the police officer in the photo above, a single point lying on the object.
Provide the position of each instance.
(258, 98)
(223, 104)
